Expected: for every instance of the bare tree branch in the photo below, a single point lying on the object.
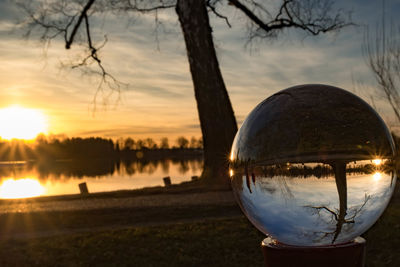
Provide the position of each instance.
(353, 213)
(71, 20)
(211, 6)
(382, 54)
(312, 16)
(141, 6)
(68, 18)
(83, 15)
(318, 208)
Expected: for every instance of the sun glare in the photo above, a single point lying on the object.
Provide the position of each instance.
(21, 188)
(21, 123)
(377, 161)
(377, 176)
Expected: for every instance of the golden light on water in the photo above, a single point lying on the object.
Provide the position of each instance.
(21, 188)
(230, 172)
(21, 123)
(377, 176)
(377, 161)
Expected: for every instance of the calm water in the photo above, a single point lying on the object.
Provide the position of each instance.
(310, 204)
(25, 179)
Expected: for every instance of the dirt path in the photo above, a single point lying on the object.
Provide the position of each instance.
(157, 200)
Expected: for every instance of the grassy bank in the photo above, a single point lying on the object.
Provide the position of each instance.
(213, 242)
(51, 223)
(197, 235)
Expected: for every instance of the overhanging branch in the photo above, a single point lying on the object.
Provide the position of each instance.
(83, 15)
(310, 16)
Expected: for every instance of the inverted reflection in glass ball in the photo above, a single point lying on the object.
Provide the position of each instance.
(311, 166)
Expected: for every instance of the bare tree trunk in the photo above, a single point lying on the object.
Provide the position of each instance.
(217, 120)
(341, 184)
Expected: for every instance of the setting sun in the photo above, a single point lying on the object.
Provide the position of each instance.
(377, 161)
(21, 188)
(21, 123)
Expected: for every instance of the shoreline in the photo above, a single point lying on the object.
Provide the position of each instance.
(184, 187)
(188, 187)
(185, 194)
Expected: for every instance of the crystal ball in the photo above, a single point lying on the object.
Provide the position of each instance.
(312, 165)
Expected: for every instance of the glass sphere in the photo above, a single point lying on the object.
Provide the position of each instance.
(312, 166)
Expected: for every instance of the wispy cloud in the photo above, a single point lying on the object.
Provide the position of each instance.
(160, 99)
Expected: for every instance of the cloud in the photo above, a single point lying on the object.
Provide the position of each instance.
(160, 96)
(8, 10)
(142, 131)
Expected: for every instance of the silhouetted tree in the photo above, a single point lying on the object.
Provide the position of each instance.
(140, 144)
(129, 143)
(340, 215)
(382, 53)
(71, 20)
(41, 139)
(200, 143)
(117, 148)
(193, 143)
(182, 142)
(150, 143)
(164, 144)
(121, 142)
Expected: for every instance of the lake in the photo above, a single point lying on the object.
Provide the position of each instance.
(27, 179)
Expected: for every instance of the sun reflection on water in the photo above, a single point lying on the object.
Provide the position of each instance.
(21, 188)
(377, 176)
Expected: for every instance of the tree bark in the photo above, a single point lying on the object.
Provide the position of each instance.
(217, 120)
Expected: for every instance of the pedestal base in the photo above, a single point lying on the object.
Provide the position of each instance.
(351, 254)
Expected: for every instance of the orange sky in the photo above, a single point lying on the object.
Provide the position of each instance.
(159, 99)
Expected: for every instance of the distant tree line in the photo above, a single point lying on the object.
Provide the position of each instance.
(304, 171)
(96, 168)
(149, 143)
(52, 147)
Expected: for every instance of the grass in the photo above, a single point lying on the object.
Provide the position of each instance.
(70, 221)
(216, 242)
(213, 235)
(213, 243)
(383, 239)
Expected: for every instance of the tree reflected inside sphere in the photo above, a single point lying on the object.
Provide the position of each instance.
(312, 166)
